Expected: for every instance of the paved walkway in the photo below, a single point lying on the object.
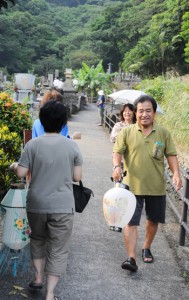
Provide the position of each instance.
(94, 267)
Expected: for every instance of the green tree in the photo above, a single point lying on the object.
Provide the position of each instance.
(48, 64)
(161, 48)
(185, 34)
(65, 33)
(105, 36)
(91, 79)
(4, 3)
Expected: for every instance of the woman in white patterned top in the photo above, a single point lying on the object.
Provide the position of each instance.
(127, 117)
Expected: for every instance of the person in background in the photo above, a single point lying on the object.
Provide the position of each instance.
(144, 146)
(56, 82)
(37, 128)
(60, 86)
(100, 103)
(127, 117)
(54, 163)
(83, 98)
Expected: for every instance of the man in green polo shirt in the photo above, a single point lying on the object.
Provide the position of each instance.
(144, 146)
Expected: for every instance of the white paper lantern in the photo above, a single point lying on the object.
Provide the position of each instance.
(118, 206)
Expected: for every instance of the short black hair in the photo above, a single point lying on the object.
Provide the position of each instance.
(144, 98)
(53, 116)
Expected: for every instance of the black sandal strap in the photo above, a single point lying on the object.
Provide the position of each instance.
(146, 253)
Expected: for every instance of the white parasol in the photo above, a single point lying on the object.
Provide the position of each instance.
(129, 96)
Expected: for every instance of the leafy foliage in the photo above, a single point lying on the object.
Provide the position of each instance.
(4, 3)
(155, 88)
(92, 79)
(9, 152)
(185, 34)
(158, 50)
(146, 37)
(14, 118)
(73, 3)
(172, 95)
(14, 115)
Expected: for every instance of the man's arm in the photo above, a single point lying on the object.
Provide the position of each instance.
(98, 103)
(174, 167)
(117, 170)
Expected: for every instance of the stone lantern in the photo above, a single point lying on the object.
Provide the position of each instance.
(70, 98)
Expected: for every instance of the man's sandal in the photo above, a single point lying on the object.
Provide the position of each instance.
(130, 265)
(147, 256)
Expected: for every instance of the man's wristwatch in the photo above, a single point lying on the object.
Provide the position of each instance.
(116, 166)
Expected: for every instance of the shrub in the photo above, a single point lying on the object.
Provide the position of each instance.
(14, 115)
(9, 152)
(14, 118)
(154, 87)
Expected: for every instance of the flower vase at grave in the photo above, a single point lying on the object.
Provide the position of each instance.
(15, 228)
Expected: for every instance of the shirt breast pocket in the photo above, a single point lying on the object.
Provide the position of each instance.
(158, 150)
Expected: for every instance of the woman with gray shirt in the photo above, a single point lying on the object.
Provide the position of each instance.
(54, 162)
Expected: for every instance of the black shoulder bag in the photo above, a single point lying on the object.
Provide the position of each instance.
(81, 196)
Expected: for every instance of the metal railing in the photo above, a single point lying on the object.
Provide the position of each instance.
(110, 118)
(184, 197)
(184, 226)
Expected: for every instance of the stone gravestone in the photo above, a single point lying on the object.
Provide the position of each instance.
(56, 73)
(24, 83)
(70, 97)
(1, 76)
(1, 80)
(42, 80)
(50, 79)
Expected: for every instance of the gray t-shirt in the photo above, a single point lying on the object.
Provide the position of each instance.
(51, 160)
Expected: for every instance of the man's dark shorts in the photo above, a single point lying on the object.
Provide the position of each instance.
(154, 207)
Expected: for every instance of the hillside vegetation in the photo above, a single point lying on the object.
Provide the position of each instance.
(146, 37)
(173, 96)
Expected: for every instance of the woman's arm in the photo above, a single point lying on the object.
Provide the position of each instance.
(18, 170)
(114, 133)
(76, 135)
(77, 174)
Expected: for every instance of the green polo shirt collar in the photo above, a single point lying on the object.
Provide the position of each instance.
(154, 127)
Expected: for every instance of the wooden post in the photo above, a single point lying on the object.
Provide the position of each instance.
(27, 135)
